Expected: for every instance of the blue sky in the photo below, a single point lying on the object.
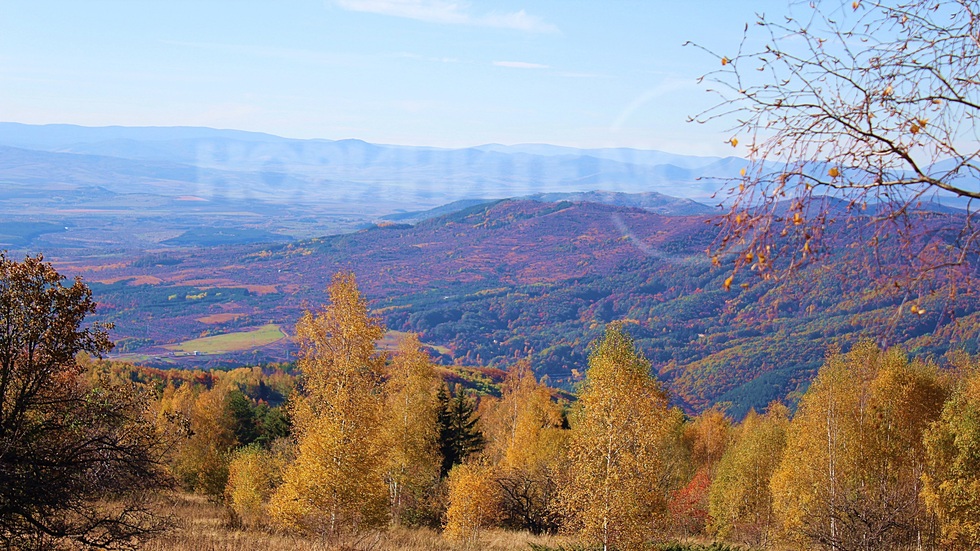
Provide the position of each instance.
(415, 72)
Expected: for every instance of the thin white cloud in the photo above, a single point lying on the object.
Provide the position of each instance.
(449, 13)
(519, 65)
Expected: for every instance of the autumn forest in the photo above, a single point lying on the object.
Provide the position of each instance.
(351, 443)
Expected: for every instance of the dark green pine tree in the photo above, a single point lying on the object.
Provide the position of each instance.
(243, 412)
(459, 435)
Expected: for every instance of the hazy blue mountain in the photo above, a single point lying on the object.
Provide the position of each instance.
(650, 201)
(53, 137)
(620, 154)
(42, 170)
(449, 208)
(426, 176)
(418, 178)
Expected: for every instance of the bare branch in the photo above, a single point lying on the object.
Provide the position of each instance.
(845, 109)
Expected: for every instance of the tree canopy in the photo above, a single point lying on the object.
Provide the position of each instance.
(620, 460)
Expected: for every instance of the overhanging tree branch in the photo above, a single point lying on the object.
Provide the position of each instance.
(845, 106)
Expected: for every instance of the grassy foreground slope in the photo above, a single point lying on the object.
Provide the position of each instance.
(203, 525)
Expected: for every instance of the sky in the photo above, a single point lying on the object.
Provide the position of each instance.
(444, 73)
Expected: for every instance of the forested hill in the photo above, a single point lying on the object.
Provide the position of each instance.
(510, 279)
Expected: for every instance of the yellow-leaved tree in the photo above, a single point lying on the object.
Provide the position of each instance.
(335, 486)
(200, 458)
(740, 501)
(253, 474)
(525, 442)
(952, 482)
(474, 501)
(706, 436)
(705, 439)
(622, 458)
(411, 429)
(850, 477)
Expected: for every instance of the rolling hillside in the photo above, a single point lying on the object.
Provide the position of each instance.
(509, 279)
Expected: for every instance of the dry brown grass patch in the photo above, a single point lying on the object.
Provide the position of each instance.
(205, 526)
(219, 318)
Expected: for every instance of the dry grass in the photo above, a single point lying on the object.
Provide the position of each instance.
(132, 280)
(220, 318)
(261, 289)
(204, 526)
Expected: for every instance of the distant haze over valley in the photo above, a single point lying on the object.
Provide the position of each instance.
(66, 186)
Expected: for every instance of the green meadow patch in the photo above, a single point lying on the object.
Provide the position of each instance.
(231, 342)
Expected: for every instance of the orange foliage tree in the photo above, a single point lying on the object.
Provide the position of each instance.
(525, 442)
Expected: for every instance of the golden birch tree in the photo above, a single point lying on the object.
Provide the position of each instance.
(705, 439)
(850, 477)
(253, 474)
(173, 420)
(411, 427)
(952, 482)
(335, 486)
(620, 457)
(525, 440)
(740, 501)
(474, 502)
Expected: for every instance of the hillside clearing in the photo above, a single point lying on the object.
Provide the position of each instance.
(231, 342)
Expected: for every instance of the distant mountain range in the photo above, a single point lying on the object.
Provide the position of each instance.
(519, 170)
(650, 201)
(263, 163)
(141, 188)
